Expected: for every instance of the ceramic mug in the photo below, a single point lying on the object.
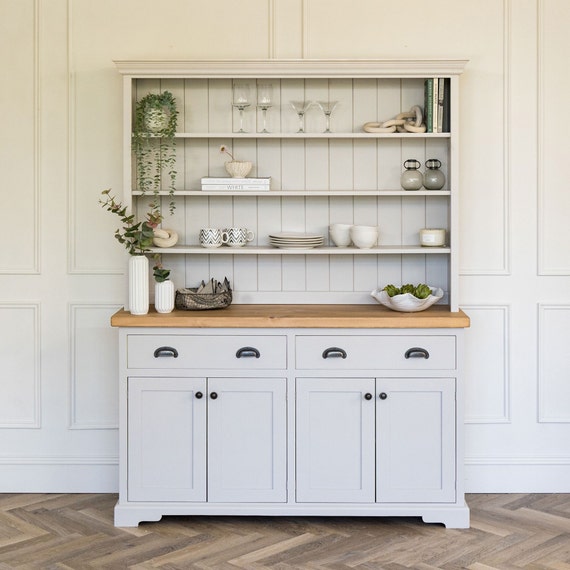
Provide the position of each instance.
(238, 237)
(212, 237)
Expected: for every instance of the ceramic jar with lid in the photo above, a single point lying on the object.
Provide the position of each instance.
(434, 178)
(411, 178)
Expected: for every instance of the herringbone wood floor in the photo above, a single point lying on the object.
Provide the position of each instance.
(76, 532)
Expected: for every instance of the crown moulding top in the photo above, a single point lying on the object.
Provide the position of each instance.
(294, 68)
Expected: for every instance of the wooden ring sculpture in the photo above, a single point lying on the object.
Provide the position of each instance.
(409, 121)
(164, 238)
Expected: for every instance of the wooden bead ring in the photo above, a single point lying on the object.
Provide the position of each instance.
(164, 238)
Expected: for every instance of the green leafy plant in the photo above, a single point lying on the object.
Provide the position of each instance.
(135, 236)
(421, 291)
(160, 274)
(154, 145)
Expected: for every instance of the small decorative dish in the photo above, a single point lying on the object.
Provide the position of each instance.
(406, 302)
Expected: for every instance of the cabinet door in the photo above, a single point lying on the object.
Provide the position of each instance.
(415, 438)
(247, 447)
(335, 440)
(167, 439)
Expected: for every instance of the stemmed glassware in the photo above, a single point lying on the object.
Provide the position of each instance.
(301, 107)
(241, 101)
(327, 107)
(264, 101)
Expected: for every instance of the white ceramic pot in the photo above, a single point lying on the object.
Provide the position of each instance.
(164, 296)
(138, 284)
(156, 120)
(238, 168)
(364, 237)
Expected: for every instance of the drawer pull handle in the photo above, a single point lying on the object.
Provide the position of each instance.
(214, 395)
(368, 396)
(383, 395)
(199, 395)
(165, 351)
(334, 352)
(247, 351)
(417, 352)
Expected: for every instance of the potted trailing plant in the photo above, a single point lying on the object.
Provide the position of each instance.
(163, 288)
(154, 145)
(137, 238)
(236, 168)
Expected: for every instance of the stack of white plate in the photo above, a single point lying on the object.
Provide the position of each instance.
(296, 240)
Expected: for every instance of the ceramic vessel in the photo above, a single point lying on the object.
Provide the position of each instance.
(164, 296)
(238, 168)
(340, 234)
(434, 178)
(411, 178)
(138, 285)
(364, 237)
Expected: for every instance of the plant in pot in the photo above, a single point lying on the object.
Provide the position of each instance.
(163, 288)
(154, 145)
(236, 168)
(137, 237)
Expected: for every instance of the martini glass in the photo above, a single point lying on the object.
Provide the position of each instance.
(241, 101)
(327, 107)
(301, 107)
(264, 102)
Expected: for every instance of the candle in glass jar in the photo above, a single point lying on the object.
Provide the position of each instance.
(432, 237)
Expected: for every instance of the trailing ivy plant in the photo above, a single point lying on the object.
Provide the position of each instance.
(154, 145)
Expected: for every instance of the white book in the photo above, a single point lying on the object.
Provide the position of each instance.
(440, 97)
(221, 187)
(435, 104)
(228, 180)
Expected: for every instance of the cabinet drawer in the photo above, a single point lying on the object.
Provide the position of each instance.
(375, 352)
(233, 352)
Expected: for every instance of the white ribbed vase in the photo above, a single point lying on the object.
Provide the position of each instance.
(164, 296)
(138, 284)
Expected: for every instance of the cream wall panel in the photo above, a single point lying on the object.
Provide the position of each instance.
(94, 362)
(554, 388)
(487, 365)
(554, 146)
(20, 340)
(19, 45)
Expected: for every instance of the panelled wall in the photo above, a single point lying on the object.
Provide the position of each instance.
(62, 273)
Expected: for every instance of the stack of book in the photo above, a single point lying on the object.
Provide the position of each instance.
(436, 104)
(233, 184)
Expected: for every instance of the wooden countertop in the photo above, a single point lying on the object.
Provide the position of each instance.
(297, 316)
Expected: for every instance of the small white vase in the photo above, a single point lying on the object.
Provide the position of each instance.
(238, 168)
(138, 284)
(164, 296)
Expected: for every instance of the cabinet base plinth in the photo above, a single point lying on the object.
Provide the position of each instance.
(131, 514)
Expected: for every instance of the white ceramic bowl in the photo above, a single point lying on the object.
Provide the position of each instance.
(407, 303)
(340, 234)
(364, 237)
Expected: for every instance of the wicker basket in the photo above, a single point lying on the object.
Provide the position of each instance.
(189, 300)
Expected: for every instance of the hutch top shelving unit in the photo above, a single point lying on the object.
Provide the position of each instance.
(317, 178)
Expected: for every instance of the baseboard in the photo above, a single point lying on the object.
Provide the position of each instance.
(517, 474)
(59, 475)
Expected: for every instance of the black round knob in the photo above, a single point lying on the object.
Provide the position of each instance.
(214, 395)
(368, 396)
(199, 395)
(383, 395)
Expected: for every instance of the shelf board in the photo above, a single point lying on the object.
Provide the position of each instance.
(301, 136)
(380, 193)
(324, 250)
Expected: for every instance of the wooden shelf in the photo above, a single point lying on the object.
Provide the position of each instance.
(292, 193)
(302, 136)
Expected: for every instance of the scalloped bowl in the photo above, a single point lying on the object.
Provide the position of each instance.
(407, 303)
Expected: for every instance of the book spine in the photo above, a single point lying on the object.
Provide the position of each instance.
(435, 103)
(216, 187)
(446, 127)
(227, 180)
(440, 96)
(428, 104)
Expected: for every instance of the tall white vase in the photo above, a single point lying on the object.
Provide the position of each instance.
(164, 296)
(138, 284)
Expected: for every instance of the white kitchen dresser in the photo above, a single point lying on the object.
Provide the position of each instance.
(339, 410)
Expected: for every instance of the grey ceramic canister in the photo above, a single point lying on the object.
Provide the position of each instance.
(434, 178)
(411, 178)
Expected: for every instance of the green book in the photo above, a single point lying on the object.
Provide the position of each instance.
(428, 104)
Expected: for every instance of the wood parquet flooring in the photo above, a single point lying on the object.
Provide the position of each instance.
(76, 532)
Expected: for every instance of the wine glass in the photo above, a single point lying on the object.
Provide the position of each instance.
(301, 107)
(327, 107)
(264, 101)
(241, 101)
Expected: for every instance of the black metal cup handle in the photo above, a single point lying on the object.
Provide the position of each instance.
(166, 351)
(417, 352)
(334, 352)
(248, 351)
